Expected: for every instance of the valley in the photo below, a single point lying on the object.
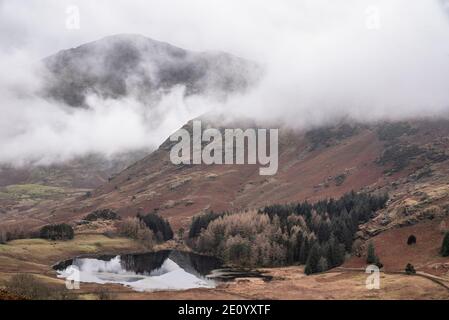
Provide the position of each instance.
(418, 205)
(37, 256)
(92, 180)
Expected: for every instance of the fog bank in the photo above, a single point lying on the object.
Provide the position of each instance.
(323, 60)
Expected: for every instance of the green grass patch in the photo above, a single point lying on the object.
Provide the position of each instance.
(29, 191)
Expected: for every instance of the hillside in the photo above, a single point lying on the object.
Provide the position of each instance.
(115, 67)
(186, 150)
(407, 160)
(86, 172)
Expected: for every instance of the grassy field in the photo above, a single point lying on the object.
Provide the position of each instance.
(29, 191)
(38, 255)
(290, 283)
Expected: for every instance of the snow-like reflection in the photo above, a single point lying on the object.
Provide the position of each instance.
(165, 270)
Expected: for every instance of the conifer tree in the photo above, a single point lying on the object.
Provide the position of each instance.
(445, 246)
(304, 251)
(323, 265)
(313, 260)
(371, 254)
(410, 269)
(336, 253)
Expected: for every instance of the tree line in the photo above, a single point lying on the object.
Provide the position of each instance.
(160, 226)
(316, 235)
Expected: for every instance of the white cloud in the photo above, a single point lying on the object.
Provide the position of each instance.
(322, 62)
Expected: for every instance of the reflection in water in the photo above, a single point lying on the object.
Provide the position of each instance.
(163, 270)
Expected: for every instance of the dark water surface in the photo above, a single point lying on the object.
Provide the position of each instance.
(162, 270)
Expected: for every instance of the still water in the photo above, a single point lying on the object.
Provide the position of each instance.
(163, 270)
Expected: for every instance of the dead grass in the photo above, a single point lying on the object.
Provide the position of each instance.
(38, 255)
(290, 283)
(394, 252)
(30, 191)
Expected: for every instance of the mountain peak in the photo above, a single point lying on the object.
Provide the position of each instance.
(118, 65)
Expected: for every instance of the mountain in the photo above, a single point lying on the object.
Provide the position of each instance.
(407, 160)
(121, 66)
(113, 67)
(124, 65)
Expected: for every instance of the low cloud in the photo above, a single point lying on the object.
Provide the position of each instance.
(324, 60)
(339, 65)
(35, 130)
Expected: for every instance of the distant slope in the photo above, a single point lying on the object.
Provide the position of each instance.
(86, 172)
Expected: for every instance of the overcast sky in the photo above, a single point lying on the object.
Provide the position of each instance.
(243, 27)
(324, 59)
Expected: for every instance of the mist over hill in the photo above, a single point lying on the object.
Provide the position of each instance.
(354, 94)
(95, 109)
(132, 65)
(117, 95)
(362, 60)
